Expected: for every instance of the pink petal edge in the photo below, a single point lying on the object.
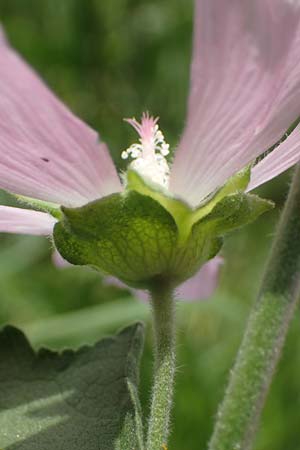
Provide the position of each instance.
(279, 160)
(45, 151)
(25, 221)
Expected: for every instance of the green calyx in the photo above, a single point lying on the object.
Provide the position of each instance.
(51, 208)
(143, 235)
(184, 216)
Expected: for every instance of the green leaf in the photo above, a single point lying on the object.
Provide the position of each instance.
(83, 400)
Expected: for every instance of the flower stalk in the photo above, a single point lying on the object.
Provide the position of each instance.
(250, 379)
(163, 307)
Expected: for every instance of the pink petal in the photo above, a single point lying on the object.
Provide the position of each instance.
(59, 261)
(201, 286)
(245, 90)
(45, 151)
(276, 162)
(25, 221)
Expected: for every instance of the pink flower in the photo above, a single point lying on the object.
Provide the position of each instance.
(244, 94)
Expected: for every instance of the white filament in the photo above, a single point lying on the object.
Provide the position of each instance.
(148, 155)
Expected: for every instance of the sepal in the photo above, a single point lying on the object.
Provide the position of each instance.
(135, 238)
(234, 211)
(129, 236)
(184, 215)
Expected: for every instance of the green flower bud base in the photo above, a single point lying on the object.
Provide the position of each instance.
(143, 237)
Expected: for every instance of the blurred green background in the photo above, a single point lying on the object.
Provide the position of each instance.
(109, 60)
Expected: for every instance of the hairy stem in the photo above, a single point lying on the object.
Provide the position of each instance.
(239, 414)
(164, 367)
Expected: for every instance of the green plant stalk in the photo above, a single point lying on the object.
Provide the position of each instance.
(239, 414)
(164, 367)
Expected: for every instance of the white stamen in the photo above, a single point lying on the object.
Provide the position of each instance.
(148, 156)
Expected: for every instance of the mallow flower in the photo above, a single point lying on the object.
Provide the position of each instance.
(165, 217)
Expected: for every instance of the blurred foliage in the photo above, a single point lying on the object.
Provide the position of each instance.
(109, 60)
